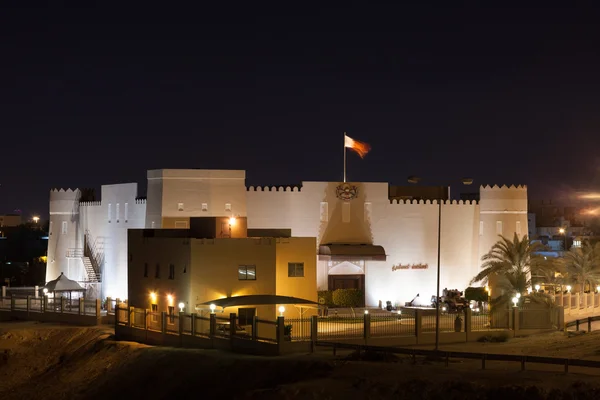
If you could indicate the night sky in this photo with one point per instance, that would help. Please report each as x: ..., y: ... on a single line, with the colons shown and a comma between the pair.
x: 99, y: 95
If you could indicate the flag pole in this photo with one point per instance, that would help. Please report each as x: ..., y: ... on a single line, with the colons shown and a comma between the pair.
x: 345, y: 151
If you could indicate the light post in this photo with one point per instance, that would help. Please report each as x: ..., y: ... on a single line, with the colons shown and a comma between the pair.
x: 563, y: 232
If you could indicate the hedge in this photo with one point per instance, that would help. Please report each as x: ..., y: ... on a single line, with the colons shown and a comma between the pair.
x: 348, y: 297
x: 327, y: 295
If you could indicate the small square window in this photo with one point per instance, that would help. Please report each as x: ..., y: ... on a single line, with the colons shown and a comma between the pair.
x: 227, y: 206
x: 180, y: 206
x: 296, y: 270
x: 204, y: 206
x: 247, y: 273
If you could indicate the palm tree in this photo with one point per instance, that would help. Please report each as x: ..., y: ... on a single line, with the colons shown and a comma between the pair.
x: 582, y: 264
x: 511, y: 262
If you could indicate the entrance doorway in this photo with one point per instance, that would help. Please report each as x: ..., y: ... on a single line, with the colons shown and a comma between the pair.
x: 347, y: 282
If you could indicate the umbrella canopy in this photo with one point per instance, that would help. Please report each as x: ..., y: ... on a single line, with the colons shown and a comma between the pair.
x: 63, y: 284
x: 257, y: 300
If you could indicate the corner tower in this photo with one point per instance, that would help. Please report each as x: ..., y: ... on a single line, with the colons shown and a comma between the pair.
x: 63, y: 235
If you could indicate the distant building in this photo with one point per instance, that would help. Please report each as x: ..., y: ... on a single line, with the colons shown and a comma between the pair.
x: 10, y: 220
x: 371, y: 236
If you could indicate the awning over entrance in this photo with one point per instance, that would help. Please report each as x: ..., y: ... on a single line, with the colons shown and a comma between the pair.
x: 258, y: 300
x: 351, y: 252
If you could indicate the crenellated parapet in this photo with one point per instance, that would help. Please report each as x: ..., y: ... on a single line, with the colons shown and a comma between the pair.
x: 294, y: 188
x: 90, y: 203
x: 64, y: 194
x: 502, y: 187
x: 431, y: 202
x: 140, y: 201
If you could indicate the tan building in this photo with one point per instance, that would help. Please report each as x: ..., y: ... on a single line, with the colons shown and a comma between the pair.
x: 169, y: 267
x: 10, y: 220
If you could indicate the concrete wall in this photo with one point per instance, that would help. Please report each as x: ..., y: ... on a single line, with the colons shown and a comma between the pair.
x: 63, y: 235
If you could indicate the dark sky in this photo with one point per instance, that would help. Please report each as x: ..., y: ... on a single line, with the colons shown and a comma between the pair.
x: 99, y: 95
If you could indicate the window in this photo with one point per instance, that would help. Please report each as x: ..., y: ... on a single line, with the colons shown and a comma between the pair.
x: 324, y: 211
x: 109, y: 212
x: 171, y: 312
x: 246, y: 315
x: 64, y: 228
x: 157, y: 271
x: 296, y: 270
x: 499, y: 227
x: 180, y: 206
x: 145, y: 270
x: 247, y: 273
x: 171, y: 271
x: 154, y: 310
x: 346, y: 212
x: 519, y: 228
x: 126, y: 211
x: 117, y: 212
x: 480, y: 228
x: 368, y: 208
x: 204, y: 206
x: 227, y: 206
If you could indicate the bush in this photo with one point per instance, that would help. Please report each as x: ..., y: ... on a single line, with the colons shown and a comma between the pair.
x: 327, y: 295
x: 499, y: 338
x: 348, y: 297
x: 476, y: 294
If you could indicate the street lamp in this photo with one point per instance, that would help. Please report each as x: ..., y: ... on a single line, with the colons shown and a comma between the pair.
x: 35, y: 219
x: 563, y: 232
x: 181, y: 307
x: 212, y: 308
x: 537, y: 288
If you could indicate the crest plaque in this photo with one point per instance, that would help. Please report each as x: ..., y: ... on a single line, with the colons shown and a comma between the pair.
x: 346, y: 192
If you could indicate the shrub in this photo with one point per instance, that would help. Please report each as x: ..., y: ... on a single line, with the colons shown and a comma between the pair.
x: 476, y: 294
x: 347, y: 297
x: 327, y: 295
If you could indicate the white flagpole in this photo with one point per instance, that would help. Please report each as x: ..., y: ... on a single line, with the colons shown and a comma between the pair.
x: 345, y: 157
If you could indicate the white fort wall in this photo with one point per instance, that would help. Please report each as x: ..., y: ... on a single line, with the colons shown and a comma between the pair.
x: 408, y: 231
x: 107, y: 228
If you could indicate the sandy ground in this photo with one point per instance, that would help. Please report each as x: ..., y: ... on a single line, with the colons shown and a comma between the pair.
x: 42, y: 361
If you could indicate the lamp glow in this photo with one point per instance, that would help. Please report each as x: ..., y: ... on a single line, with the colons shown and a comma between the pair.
x: 181, y: 306
x: 598, y: 288
x: 36, y: 219
x: 515, y: 300
x: 45, y: 290
x: 518, y: 296
x: 153, y: 296
x: 568, y: 288
x: 281, y: 310
x: 232, y: 221
x: 537, y: 288
x: 212, y: 308
x: 529, y: 290
x: 170, y: 298
x: 366, y: 311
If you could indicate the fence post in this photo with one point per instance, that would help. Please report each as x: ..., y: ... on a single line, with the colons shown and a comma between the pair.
x: 129, y: 315
x: 232, y: 325
x: 468, y: 316
x: 181, y: 317
x: 314, y: 333
x: 366, y: 327
x: 3, y: 292
x: 109, y: 305
x: 36, y: 290
x: 82, y: 306
x: 12, y: 302
x: 255, y: 327
x: 63, y: 301
x: 193, y: 324
x: 280, y: 334
x: 213, y: 324
x: 28, y: 304
x: 589, y: 324
x: 516, y: 322
x: 98, y: 308
x: 163, y: 322
x: 577, y: 325
x: 116, y: 316
x: 418, y: 324
x: 45, y: 303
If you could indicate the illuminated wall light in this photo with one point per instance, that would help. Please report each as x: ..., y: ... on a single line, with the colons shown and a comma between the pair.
x: 153, y: 296
x: 232, y: 221
x: 212, y: 308
x: 170, y: 298
x: 366, y: 311
x: 281, y: 310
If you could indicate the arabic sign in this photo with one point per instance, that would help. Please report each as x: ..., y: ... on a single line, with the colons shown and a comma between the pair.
x: 409, y: 266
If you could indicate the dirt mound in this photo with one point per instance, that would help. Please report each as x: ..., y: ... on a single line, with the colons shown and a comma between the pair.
x: 40, y: 361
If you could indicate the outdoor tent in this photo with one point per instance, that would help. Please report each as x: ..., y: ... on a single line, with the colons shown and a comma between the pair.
x: 62, y: 284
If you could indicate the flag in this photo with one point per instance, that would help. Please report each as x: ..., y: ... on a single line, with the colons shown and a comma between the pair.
x: 359, y: 147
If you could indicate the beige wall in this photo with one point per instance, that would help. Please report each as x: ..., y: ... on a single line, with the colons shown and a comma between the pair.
x: 214, y: 272
x: 294, y: 250
x: 164, y: 252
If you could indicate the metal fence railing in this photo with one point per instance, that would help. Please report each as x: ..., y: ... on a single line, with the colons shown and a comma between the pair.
x: 340, y: 327
x: 392, y: 325
x: 300, y: 328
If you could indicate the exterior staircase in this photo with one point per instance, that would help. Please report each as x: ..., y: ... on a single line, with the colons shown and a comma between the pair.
x: 90, y: 271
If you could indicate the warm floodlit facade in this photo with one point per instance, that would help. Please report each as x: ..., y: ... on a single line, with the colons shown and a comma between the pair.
x: 366, y: 235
